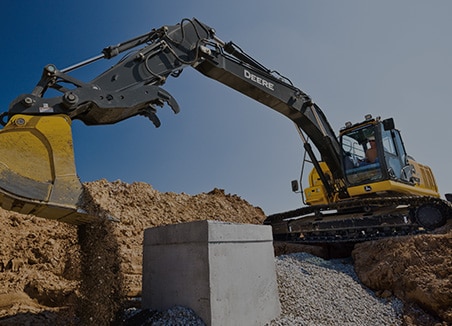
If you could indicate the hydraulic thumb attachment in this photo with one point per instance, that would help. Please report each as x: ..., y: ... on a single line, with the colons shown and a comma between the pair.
x: 37, y: 169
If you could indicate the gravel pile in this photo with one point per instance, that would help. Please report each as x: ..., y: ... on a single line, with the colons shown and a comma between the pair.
x: 176, y: 316
x: 314, y: 291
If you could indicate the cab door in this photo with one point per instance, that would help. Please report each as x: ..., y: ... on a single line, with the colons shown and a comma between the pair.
x: 394, y: 153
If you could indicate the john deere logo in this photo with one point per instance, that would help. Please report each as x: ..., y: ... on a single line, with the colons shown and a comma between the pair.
x: 367, y: 188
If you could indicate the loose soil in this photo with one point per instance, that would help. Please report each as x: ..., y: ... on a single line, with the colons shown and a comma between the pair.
x: 60, y: 274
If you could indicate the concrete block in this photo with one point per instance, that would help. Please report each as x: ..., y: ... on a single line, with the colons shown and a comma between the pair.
x: 225, y: 272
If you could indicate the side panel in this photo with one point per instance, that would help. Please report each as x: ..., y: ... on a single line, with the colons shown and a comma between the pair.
x: 424, y: 176
x: 391, y: 186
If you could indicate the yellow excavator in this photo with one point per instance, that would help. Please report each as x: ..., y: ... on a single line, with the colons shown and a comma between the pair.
x: 363, y: 186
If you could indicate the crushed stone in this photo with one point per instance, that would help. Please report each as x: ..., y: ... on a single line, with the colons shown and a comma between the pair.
x: 314, y: 291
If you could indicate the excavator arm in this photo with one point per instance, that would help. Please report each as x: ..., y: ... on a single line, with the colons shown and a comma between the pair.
x: 37, y: 170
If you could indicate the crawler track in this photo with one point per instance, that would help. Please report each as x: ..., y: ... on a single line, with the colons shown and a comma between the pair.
x: 359, y: 220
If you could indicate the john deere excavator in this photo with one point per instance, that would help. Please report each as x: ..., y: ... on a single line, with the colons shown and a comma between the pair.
x: 364, y: 185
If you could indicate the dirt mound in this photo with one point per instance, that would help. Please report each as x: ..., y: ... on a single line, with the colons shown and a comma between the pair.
x: 40, y: 266
x: 70, y: 275
x: 54, y: 273
x: 417, y: 269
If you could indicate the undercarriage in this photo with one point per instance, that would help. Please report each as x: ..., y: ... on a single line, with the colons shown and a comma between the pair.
x: 359, y: 220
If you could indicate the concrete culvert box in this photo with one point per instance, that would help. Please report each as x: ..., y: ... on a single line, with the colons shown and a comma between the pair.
x: 225, y: 272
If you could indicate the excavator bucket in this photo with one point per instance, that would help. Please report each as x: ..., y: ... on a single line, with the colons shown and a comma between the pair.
x: 37, y: 169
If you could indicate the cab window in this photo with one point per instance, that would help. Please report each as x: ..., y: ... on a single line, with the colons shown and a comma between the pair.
x: 359, y: 166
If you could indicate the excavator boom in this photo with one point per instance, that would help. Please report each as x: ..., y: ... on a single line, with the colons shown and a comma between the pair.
x: 37, y: 170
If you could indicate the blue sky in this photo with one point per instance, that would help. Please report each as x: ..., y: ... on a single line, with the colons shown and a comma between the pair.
x: 387, y: 58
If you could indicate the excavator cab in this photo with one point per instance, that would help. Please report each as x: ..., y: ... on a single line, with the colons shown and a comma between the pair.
x: 362, y: 159
x: 375, y: 160
x: 374, y: 151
